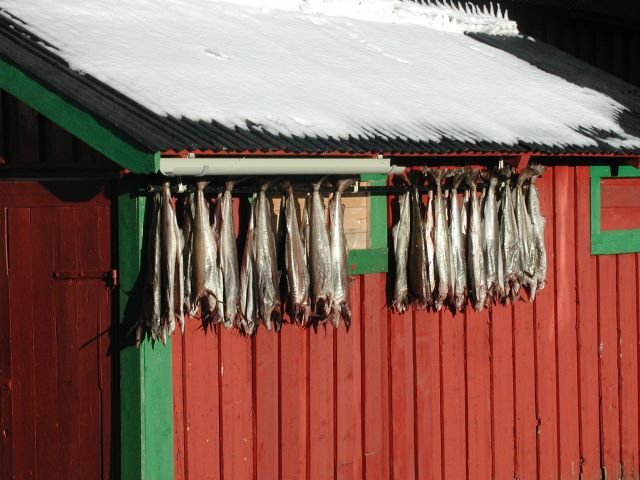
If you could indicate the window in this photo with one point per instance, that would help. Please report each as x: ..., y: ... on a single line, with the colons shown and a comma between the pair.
x: 374, y: 256
x: 615, y: 210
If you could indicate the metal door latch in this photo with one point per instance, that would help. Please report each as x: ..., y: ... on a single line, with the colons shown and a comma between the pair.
x: 110, y: 277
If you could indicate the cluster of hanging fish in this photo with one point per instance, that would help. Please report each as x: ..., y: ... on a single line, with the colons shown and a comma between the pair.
x: 193, y: 265
x: 483, y: 245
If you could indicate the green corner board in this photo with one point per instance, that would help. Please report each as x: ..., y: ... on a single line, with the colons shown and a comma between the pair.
x: 610, y: 241
x: 146, y: 385
x: 76, y: 121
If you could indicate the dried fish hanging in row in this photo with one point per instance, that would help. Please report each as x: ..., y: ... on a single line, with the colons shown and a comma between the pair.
x: 163, y: 288
x: 486, y: 247
x: 196, y: 268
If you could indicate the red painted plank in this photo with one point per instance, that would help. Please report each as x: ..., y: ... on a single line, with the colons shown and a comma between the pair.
x: 202, y: 407
x: 402, y: 391
x: 6, y: 408
x: 502, y: 392
x: 293, y: 399
x: 546, y: 348
x: 587, y: 316
x: 321, y: 464
x: 108, y: 334
x: 52, y: 194
x: 453, y: 391
x: 67, y: 336
x: 43, y: 228
x: 608, y: 348
x: 627, y: 300
x: 22, y: 343
x: 373, y: 324
x: 620, y: 218
x: 179, y: 430
x: 237, y: 405
x: 348, y: 393
x: 427, y: 396
x: 267, y: 406
x: 478, y: 375
x: 87, y: 351
x: 565, y: 264
x: 524, y: 374
x: 620, y: 192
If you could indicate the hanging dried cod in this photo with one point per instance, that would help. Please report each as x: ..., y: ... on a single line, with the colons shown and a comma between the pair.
x: 538, y: 222
x: 418, y: 267
x: 525, y: 232
x: 491, y: 237
x: 151, y: 311
x: 187, y: 251
x: 441, y: 242
x: 458, y: 225
x: 295, y: 262
x: 512, y: 263
x: 341, y: 308
x: 400, y: 234
x: 320, y: 267
x: 228, y: 259
x: 248, y: 282
x: 204, y: 256
x: 478, y: 276
x: 265, y: 261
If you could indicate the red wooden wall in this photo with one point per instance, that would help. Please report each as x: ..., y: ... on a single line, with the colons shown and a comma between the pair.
x: 544, y: 390
x: 58, y: 397
x: 620, y: 203
x: 56, y: 390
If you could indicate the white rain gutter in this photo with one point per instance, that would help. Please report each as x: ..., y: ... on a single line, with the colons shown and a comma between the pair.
x: 200, y: 166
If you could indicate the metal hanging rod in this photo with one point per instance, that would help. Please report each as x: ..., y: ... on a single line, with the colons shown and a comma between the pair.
x: 355, y: 190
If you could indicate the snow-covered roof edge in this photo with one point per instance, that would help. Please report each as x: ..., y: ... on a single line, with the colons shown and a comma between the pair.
x: 441, y: 15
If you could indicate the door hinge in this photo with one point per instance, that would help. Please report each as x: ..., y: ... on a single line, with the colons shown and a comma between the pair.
x: 109, y: 277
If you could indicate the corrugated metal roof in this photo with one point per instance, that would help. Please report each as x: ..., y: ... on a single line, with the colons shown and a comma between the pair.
x: 164, y: 133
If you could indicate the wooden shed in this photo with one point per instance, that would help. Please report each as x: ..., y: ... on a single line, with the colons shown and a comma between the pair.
x: 534, y: 390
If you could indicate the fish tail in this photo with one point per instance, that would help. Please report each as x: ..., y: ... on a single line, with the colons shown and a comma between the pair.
x: 345, y: 312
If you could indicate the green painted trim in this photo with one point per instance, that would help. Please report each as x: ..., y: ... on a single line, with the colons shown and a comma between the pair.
x: 76, y: 121
x: 370, y: 260
x: 146, y: 382
x: 375, y: 258
x: 610, y: 241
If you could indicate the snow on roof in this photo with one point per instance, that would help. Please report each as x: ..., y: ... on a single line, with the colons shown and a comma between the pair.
x: 323, y: 68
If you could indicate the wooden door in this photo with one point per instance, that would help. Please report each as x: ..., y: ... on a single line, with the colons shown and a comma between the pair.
x: 56, y: 361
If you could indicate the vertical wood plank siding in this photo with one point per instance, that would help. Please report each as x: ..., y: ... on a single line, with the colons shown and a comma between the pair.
x: 544, y: 390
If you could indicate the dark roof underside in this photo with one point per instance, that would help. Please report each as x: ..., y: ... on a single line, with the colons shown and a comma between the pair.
x: 152, y: 132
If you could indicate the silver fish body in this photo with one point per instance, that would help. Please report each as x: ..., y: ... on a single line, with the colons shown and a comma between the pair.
x: 400, y: 234
x: 296, y: 263
x: 248, y: 282
x: 418, y: 267
x: 187, y: 252
x: 491, y: 237
x: 538, y: 222
x: 430, y: 246
x: 442, y: 244
x: 512, y: 265
x: 152, y: 299
x: 339, y: 253
x: 203, y: 260
x: 476, y: 249
x: 228, y: 260
x: 525, y: 233
x: 458, y: 252
x: 178, y: 282
x: 320, y: 266
x: 501, y: 287
x: 170, y: 253
x: 265, y: 261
